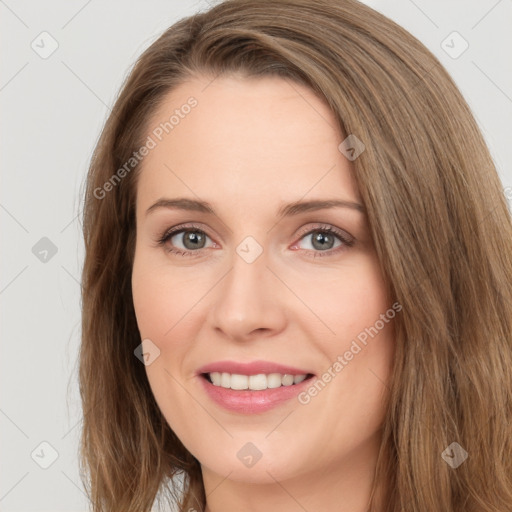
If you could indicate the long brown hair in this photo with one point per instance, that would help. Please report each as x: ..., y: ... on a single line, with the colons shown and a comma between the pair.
x: 438, y: 217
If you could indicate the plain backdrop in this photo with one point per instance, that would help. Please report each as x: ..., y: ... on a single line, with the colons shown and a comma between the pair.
x: 53, y: 107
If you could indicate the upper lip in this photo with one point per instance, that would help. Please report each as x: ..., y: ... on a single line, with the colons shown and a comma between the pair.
x: 251, y: 368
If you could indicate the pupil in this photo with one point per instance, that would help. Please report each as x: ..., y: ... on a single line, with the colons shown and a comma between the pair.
x: 193, y: 240
x: 323, y: 241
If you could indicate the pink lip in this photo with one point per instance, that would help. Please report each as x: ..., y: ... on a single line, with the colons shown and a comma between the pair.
x: 247, y: 401
x: 253, y: 368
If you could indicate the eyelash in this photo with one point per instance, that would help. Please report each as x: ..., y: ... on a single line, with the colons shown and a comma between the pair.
x: 347, y: 242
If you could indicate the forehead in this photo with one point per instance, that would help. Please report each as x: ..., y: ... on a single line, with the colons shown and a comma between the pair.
x: 244, y: 139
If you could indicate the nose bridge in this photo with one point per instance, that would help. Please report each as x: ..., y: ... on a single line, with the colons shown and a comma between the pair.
x: 246, y: 298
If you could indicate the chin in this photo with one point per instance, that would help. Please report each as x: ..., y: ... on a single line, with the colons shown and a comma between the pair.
x: 258, y: 461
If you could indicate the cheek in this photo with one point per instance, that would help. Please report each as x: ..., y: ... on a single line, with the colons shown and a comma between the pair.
x: 365, y: 332
x: 164, y: 308
x: 357, y: 309
x: 346, y: 300
x: 169, y: 312
x: 164, y: 298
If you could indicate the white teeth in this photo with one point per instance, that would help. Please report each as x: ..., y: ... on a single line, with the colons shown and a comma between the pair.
x: 287, y: 380
x: 225, y: 380
x: 274, y: 380
x: 298, y: 379
x: 239, y: 382
x: 215, y: 378
x: 254, y: 382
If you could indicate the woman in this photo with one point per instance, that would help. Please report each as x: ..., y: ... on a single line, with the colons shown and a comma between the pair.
x: 297, y: 284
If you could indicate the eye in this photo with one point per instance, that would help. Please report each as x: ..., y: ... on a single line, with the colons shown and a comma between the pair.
x: 185, y: 240
x: 320, y: 241
x: 324, y: 239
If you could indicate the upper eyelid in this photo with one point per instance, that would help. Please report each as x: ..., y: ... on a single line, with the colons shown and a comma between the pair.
x: 176, y: 230
x: 326, y: 227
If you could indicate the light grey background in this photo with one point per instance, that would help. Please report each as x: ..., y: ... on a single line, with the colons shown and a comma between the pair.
x: 52, y: 111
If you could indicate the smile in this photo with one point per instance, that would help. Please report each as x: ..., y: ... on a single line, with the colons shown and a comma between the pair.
x: 251, y: 388
x: 253, y: 382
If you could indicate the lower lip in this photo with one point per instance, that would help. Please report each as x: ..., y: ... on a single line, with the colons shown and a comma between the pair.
x: 252, y: 402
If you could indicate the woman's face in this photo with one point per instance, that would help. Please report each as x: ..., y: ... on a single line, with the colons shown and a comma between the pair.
x: 269, y: 275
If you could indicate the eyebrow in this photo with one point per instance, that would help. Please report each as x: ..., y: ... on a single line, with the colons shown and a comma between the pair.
x: 295, y: 208
x: 298, y: 207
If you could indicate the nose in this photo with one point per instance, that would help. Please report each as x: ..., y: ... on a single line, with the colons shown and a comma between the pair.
x: 249, y: 302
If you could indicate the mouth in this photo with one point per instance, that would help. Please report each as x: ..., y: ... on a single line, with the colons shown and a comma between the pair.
x: 251, y: 388
x: 258, y: 382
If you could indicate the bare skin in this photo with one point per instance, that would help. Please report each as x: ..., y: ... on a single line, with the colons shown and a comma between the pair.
x: 249, y: 147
